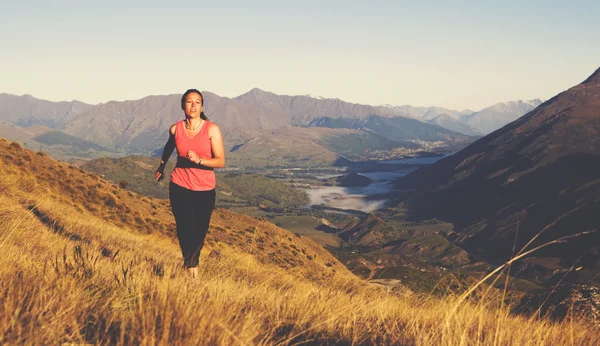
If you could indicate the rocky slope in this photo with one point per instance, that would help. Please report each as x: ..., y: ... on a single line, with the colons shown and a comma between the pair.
x: 541, y: 170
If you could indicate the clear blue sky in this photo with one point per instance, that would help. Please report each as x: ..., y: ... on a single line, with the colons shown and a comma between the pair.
x: 456, y: 54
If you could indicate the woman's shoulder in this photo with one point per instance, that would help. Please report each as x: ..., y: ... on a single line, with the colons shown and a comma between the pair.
x: 214, y: 131
x: 211, y: 124
x: 174, y: 127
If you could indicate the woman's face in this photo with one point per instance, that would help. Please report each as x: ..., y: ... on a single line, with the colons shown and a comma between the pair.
x: 193, y: 105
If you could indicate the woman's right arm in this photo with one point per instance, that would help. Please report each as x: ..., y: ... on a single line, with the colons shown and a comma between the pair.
x: 167, y: 151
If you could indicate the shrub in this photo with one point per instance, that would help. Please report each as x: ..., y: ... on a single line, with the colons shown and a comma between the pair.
x: 16, y: 146
x: 110, y: 200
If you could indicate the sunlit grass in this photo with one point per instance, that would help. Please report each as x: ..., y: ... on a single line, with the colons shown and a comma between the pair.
x: 71, y: 275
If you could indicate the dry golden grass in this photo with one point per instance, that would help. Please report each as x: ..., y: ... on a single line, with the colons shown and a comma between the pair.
x: 69, y: 274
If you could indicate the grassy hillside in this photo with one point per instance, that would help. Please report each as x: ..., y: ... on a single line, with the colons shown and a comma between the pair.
x: 79, y: 267
x: 57, y: 144
x: 401, y: 129
x: 263, y: 191
x: 137, y: 174
x: 38, y: 180
x: 60, y: 138
x: 287, y: 147
x: 357, y: 146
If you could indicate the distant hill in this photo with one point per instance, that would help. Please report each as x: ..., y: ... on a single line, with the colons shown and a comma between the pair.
x: 429, y: 113
x: 140, y: 126
x: 143, y: 124
x: 60, y: 138
x: 494, y: 117
x: 353, y: 179
x: 24, y: 135
x: 259, y: 190
x: 26, y: 110
x: 136, y: 173
x: 55, y: 143
x: 448, y: 122
x: 302, y: 110
x: 290, y: 145
x: 540, y: 170
x: 399, y: 129
x: 469, y: 122
x: 396, y: 242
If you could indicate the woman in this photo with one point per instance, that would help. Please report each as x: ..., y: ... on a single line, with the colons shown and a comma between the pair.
x: 199, y: 147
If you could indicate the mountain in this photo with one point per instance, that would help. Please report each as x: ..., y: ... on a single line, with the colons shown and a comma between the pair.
x: 26, y: 110
x: 36, y: 123
x: 494, y: 117
x: 289, y: 144
x: 127, y: 125
x: 469, y: 122
x: 448, y: 122
x: 140, y: 126
x: 540, y: 170
x: 302, y: 110
x: 407, y: 131
x: 429, y: 113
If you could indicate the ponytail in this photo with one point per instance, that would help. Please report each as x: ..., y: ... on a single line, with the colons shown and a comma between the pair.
x: 202, y: 116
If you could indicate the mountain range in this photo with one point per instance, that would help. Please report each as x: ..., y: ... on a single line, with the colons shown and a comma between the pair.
x: 26, y: 110
x: 140, y: 126
x: 469, y: 122
x: 496, y: 116
x: 535, y: 179
x: 428, y: 113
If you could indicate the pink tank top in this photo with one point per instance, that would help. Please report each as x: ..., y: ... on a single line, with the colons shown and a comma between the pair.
x: 186, y: 173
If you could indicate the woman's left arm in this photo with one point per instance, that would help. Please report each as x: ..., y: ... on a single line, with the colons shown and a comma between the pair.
x: 216, y: 142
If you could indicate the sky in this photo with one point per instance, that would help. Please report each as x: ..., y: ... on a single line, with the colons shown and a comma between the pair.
x: 453, y: 54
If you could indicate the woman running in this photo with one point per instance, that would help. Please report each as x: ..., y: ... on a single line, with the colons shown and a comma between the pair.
x: 199, y: 147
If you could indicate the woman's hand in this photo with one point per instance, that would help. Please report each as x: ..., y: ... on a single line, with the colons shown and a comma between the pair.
x: 192, y: 156
x: 158, y: 176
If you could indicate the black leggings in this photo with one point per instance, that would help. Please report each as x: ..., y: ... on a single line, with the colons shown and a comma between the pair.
x: 192, y: 211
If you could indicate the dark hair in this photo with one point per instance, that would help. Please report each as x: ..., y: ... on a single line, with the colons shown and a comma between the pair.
x: 184, y: 97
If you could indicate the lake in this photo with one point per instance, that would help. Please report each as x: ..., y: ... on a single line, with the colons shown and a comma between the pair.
x: 364, y: 198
